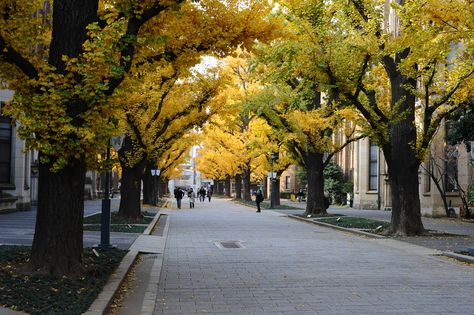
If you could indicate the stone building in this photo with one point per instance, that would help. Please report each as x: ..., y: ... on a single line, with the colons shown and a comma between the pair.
x: 18, y: 168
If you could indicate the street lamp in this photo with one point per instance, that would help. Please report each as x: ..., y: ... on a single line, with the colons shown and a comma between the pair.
x: 155, y: 173
x: 273, y: 157
x: 116, y: 142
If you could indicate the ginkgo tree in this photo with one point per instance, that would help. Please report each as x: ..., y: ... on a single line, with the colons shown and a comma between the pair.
x: 404, y: 65
x: 155, y: 122
x: 293, y: 104
x: 64, y: 59
x: 226, y: 152
x: 237, y: 129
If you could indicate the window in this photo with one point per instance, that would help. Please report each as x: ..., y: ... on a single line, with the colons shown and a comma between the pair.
x: 287, y: 182
x: 373, y: 166
x: 428, y: 172
x: 451, y: 169
x: 5, y: 150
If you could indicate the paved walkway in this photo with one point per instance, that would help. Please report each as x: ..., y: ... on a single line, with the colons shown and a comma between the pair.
x: 462, y: 232
x: 291, y: 267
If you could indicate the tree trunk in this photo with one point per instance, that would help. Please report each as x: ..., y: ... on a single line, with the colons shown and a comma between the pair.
x: 315, y: 195
x: 148, y: 185
x: 265, y: 187
x: 58, y: 241
x: 277, y: 201
x: 132, y: 173
x: 246, y: 183
x: 227, y: 187
x: 238, y: 186
x: 402, y: 161
x: 275, y: 191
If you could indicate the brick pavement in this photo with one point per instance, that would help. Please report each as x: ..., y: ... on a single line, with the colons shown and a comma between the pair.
x: 291, y: 267
x: 449, y: 243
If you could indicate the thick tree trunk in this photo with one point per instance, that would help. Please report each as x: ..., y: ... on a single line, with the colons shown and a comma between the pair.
x: 246, y: 183
x: 315, y: 197
x: 58, y: 241
x: 131, y: 182
x: 277, y: 201
x: 275, y: 191
x: 148, y: 185
x: 227, y: 187
x: 404, y: 185
x: 265, y: 188
x: 402, y: 161
x: 238, y: 186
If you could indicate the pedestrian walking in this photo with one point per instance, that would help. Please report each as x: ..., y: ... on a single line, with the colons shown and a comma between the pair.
x: 192, y: 197
x: 178, y: 194
x: 202, y: 194
x: 327, y: 201
x: 300, y: 195
x: 258, y: 199
x: 209, y: 194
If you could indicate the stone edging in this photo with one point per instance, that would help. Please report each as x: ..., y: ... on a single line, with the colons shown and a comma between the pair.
x: 102, y: 303
x: 354, y: 231
x: 463, y: 258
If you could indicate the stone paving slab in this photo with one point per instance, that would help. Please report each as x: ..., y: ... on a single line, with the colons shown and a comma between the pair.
x: 149, y: 244
x: 290, y: 267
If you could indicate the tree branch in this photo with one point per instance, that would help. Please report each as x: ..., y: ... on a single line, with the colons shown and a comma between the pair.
x: 129, y: 39
x: 11, y: 56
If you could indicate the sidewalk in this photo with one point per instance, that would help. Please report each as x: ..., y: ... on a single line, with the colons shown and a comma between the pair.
x: 223, y: 258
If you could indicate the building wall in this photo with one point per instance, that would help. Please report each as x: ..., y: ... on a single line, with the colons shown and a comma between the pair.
x: 431, y: 201
x: 289, y: 176
x: 18, y: 191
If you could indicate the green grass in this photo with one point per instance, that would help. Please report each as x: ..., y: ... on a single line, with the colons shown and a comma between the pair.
x: 355, y: 223
x: 127, y: 228
x: 115, y: 219
x: 315, y: 216
x: 266, y: 205
x: 48, y: 295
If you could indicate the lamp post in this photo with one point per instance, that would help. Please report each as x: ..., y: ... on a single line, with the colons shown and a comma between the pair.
x: 155, y: 173
x: 116, y: 142
x: 272, y: 180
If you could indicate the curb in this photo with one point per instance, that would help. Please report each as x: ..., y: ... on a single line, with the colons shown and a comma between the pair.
x: 149, y: 300
x: 463, y: 258
x: 101, y: 304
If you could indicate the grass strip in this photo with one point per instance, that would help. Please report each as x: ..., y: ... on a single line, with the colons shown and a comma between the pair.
x: 125, y: 228
x: 266, y: 205
x: 355, y: 223
x: 37, y: 294
x: 146, y: 218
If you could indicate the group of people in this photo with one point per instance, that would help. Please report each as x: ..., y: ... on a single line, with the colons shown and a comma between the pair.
x: 202, y: 193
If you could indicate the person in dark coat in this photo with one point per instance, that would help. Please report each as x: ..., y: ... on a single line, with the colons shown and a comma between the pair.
x: 300, y: 195
x: 258, y: 199
x: 209, y: 193
x: 202, y: 194
x: 327, y: 201
x: 178, y: 194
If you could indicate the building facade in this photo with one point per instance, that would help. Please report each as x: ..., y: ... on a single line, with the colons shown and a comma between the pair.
x: 18, y: 168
